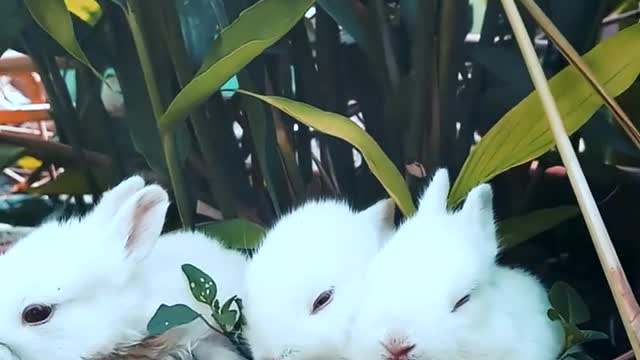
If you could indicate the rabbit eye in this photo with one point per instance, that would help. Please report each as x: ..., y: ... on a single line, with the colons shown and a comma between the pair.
x: 37, y: 314
x: 322, y: 300
x: 461, y: 302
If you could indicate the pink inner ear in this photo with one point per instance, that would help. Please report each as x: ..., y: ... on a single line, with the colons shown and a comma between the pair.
x: 143, y: 207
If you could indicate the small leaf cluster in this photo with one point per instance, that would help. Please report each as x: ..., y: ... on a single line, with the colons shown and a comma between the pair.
x: 228, y: 318
x: 570, y: 309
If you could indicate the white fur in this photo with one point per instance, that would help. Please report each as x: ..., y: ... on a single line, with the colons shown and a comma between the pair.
x: 322, y: 244
x: 434, y: 259
x: 106, y: 274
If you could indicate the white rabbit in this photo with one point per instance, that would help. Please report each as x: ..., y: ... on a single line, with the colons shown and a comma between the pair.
x: 435, y: 292
x: 304, y: 282
x: 86, y: 288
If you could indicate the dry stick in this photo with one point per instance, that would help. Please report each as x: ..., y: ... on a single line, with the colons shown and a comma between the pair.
x: 626, y: 356
x: 575, y: 59
x: 616, y: 278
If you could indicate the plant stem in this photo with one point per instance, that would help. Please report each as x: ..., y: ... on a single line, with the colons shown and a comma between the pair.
x: 55, y: 152
x: 336, y: 153
x: 176, y: 175
x: 424, y: 84
x: 450, y: 49
x: 64, y: 114
x: 626, y: 356
x: 616, y: 278
x: 575, y: 59
x: 305, y: 77
x: 204, y: 128
x: 384, y: 41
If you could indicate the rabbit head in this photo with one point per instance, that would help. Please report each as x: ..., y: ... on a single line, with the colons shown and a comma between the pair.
x: 64, y: 294
x: 303, y: 284
x: 421, y: 288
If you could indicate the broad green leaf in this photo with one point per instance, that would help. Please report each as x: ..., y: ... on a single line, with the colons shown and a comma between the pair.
x: 523, y: 133
x: 54, y: 18
x: 568, y: 303
x: 341, y: 127
x: 88, y: 11
x: 235, y: 233
x: 9, y: 154
x: 518, y: 229
x: 168, y: 317
x: 257, y: 28
x: 202, y: 286
x: 73, y: 181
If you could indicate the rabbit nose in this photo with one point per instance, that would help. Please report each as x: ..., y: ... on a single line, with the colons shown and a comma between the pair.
x: 398, y: 350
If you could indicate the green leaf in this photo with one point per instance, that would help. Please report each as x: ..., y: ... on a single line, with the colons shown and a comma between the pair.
x: 241, y: 320
x: 235, y: 233
x: 257, y: 28
x: 591, y: 335
x: 568, y: 303
x: 88, y: 11
x: 227, y: 304
x: 202, y: 286
x: 519, y: 229
x: 225, y: 320
x: 573, y: 336
x: 341, y: 127
x: 571, y: 331
x: 54, y: 18
x: 523, y: 133
x: 167, y: 317
x: 230, y: 319
x: 225, y: 316
x: 73, y: 181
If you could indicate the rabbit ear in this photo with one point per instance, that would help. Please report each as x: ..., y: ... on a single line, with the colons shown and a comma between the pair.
x: 479, y: 198
x: 434, y: 197
x: 478, y: 212
x: 381, y: 212
x: 113, y: 199
x: 479, y: 204
x: 139, y: 221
